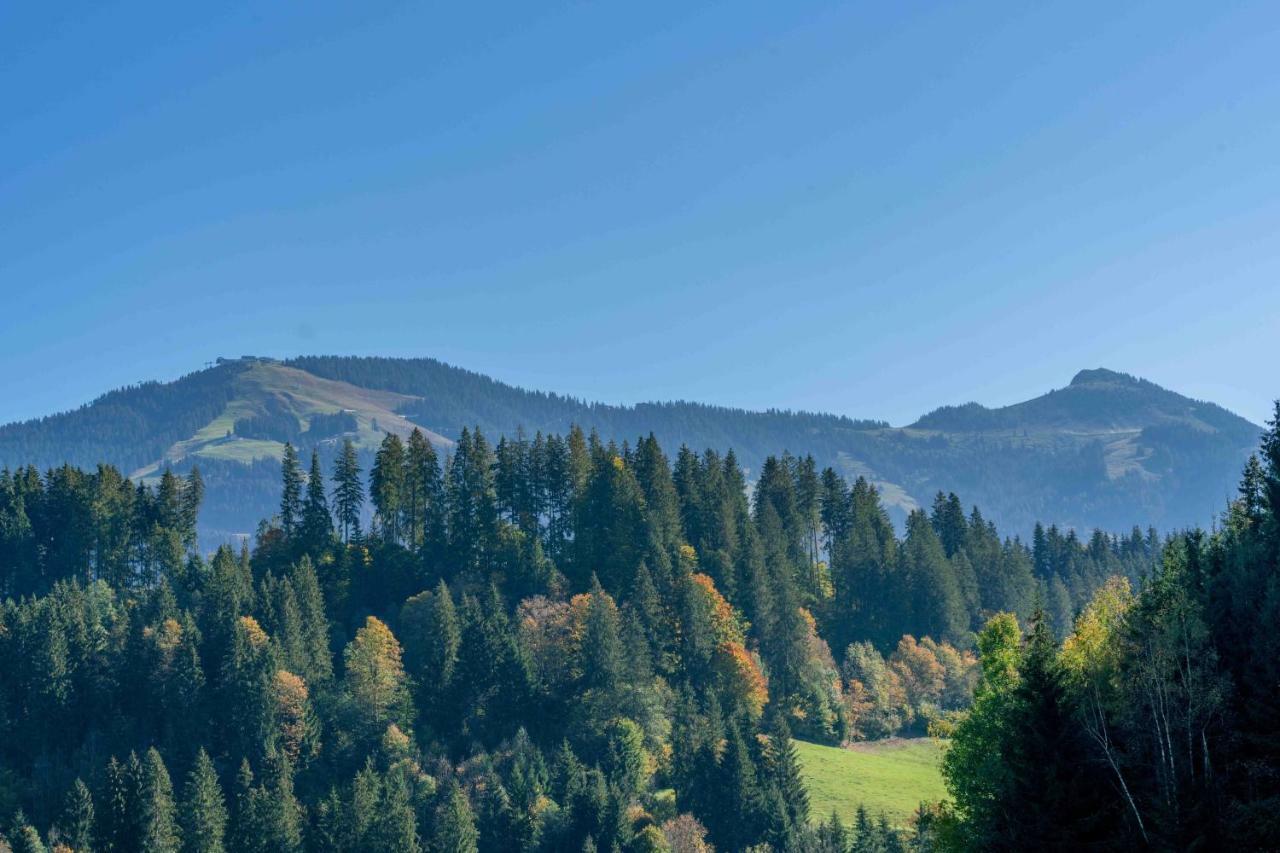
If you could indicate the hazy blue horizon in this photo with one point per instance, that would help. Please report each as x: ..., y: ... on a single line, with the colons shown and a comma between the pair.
x: 868, y: 211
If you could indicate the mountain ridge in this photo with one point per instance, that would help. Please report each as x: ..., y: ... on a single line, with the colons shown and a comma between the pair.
x: 1107, y: 450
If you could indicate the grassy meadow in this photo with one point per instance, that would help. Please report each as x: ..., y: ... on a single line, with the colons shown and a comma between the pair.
x: 890, y: 776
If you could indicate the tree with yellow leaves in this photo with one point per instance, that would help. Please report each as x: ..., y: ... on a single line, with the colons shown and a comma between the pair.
x: 375, y: 679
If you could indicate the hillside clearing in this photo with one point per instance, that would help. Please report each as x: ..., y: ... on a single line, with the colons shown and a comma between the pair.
x: 891, y: 776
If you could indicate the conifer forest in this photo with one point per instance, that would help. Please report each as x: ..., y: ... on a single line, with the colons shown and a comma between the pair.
x: 556, y: 643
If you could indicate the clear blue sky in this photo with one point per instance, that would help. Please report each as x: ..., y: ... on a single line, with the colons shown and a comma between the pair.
x: 869, y: 208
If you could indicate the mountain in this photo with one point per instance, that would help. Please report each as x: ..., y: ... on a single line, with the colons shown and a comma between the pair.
x: 1109, y: 450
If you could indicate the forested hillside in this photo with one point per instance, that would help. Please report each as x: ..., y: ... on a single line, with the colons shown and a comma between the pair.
x: 554, y: 643
x: 1106, y: 451
x: 1155, y: 724
x: 562, y: 643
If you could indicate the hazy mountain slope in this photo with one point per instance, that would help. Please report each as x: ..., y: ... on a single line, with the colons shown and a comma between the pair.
x: 131, y: 426
x: 1108, y: 450
x: 1098, y: 400
x: 272, y: 403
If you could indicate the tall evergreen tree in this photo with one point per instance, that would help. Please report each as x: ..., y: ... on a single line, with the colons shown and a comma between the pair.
x: 348, y: 492
x: 204, y: 811
x: 290, y: 492
x: 387, y: 487
x: 1050, y: 802
x: 472, y: 502
x: 455, y: 823
x: 783, y: 763
x: 76, y: 825
x: 424, y: 502
x: 317, y: 525
x: 157, y: 813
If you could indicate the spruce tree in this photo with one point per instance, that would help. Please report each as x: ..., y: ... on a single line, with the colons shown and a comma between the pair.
x: 784, y: 769
x: 23, y: 837
x: 432, y: 635
x: 603, y: 656
x: 278, y: 813
x: 115, y: 825
x: 1050, y: 800
x: 76, y: 825
x: 611, y: 533
x: 157, y: 812
x: 865, y: 837
x: 424, y: 503
x: 290, y: 492
x: 398, y: 823
x: 455, y: 824
x: 832, y: 836
x: 387, y: 487
x: 735, y: 822
x: 348, y: 492
x: 204, y: 811
x: 317, y: 525
x: 318, y: 667
x: 937, y: 606
x: 472, y: 501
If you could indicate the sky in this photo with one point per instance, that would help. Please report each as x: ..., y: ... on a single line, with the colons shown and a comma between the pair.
x: 865, y: 208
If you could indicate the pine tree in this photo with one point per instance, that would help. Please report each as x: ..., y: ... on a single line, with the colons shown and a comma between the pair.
x: 348, y: 492
x: 290, y: 492
x: 204, y: 811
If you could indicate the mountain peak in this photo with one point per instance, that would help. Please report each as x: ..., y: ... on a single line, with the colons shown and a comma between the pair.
x: 1100, y: 376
